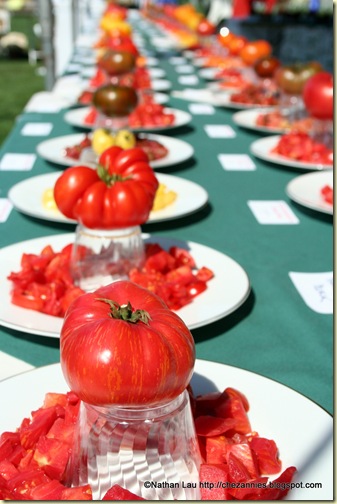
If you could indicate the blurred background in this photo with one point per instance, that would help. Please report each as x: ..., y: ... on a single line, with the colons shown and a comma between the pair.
x: 37, y: 36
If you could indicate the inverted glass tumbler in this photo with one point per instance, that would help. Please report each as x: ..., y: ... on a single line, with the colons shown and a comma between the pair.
x: 151, y: 451
x: 103, y: 256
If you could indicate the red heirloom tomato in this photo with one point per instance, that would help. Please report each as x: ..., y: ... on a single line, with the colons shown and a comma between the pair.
x: 236, y: 45
x: 318, y: 95
x: 122, y: 345
x: 119, y: 193
x: 205, y: 27
x: 225, y: 37
x: 291, y: 78
x: 266, y: 67
x: 254, y: 51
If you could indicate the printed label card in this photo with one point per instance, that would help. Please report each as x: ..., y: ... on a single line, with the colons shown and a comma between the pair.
x: 184, y: 69
x: 188, y: 80
x: 201, y: 109
x: 36, y: 129
x: 236, y: 162
x: 177, y: 60
x: 316, y: 290
x: 273, y: 212
x: 219, y: 131
x: 17, y: 162
x: 5, y: 209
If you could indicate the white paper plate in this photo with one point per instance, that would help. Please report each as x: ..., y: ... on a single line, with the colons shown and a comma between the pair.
x: 306, y: 190
x: 228, y: 289
x: 301, y: 429
x: 247, y: 119
x: 26, y: 197
x: 54, y: 148
x: 262, y: 149
x: 220, y: 98
x: 76, y: 117
x: 154, y: 73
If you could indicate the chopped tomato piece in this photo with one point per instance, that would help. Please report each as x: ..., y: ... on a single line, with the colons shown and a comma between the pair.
x: 40, y: 424
x: 52, y: 490
x: 212, y: 426
x: 83, y: 492
x: 211, y: 477
x: 116, y: 492
x: 52, y: 456
x: 267, y: 455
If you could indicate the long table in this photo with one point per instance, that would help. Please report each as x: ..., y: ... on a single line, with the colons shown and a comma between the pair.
x: 274, y: 333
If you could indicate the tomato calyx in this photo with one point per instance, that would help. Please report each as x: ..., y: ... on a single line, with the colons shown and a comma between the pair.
x: 110, y: 178
x: 126, y: 312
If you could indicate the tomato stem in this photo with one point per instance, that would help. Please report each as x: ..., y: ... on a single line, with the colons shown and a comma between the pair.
x: 109, y: 178
x: 126, y: 312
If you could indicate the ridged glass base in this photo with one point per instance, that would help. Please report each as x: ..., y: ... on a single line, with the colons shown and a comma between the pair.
x: 152, y: 452
x: 104, y: 256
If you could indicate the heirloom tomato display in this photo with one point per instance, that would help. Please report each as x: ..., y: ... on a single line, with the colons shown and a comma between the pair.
x: 45, y: 284
x: 122, y: 345
x: 34, y: 458
x: 118, y: 193
x: 300, y: 146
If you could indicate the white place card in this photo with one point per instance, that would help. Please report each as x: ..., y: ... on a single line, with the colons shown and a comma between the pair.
x: 219, y: 131
x: 37, y: 129
x: 201, y: 108
x: 17, y: 162
x: 5, y: 209
x: 237, y: 162
x: 184, y: 69
x: 177, y: 60
x: 188, y: 80
x: 273, y: 212
x: 316, y: 290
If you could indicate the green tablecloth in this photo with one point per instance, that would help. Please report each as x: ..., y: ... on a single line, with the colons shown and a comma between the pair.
x: 274, y: 333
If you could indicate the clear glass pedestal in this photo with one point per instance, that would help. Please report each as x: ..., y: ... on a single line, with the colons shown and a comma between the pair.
x: 101, y: 257
x: 153, y: 452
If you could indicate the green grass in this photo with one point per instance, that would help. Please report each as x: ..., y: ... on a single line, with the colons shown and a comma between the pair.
x: 19, y: 80
x: 18, y: 83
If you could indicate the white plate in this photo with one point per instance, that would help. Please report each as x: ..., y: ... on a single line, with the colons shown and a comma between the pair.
x: 262, y: 149
x: 156, y: 84
x: 218, y: 98
x: 301, y: 429
x: 76, y: 117
x: 154, y: 73
x: 306, y: 190
x: 228, y: 289
x: 247, y: 119
x: 26, y: 196
x: 246, y: 106
x: 53, y: 149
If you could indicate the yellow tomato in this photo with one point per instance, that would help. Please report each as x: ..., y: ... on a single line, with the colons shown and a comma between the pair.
x: 115, y: 26
x: 48, y: 201
x: 101, y: 140
x: 164, y: 197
